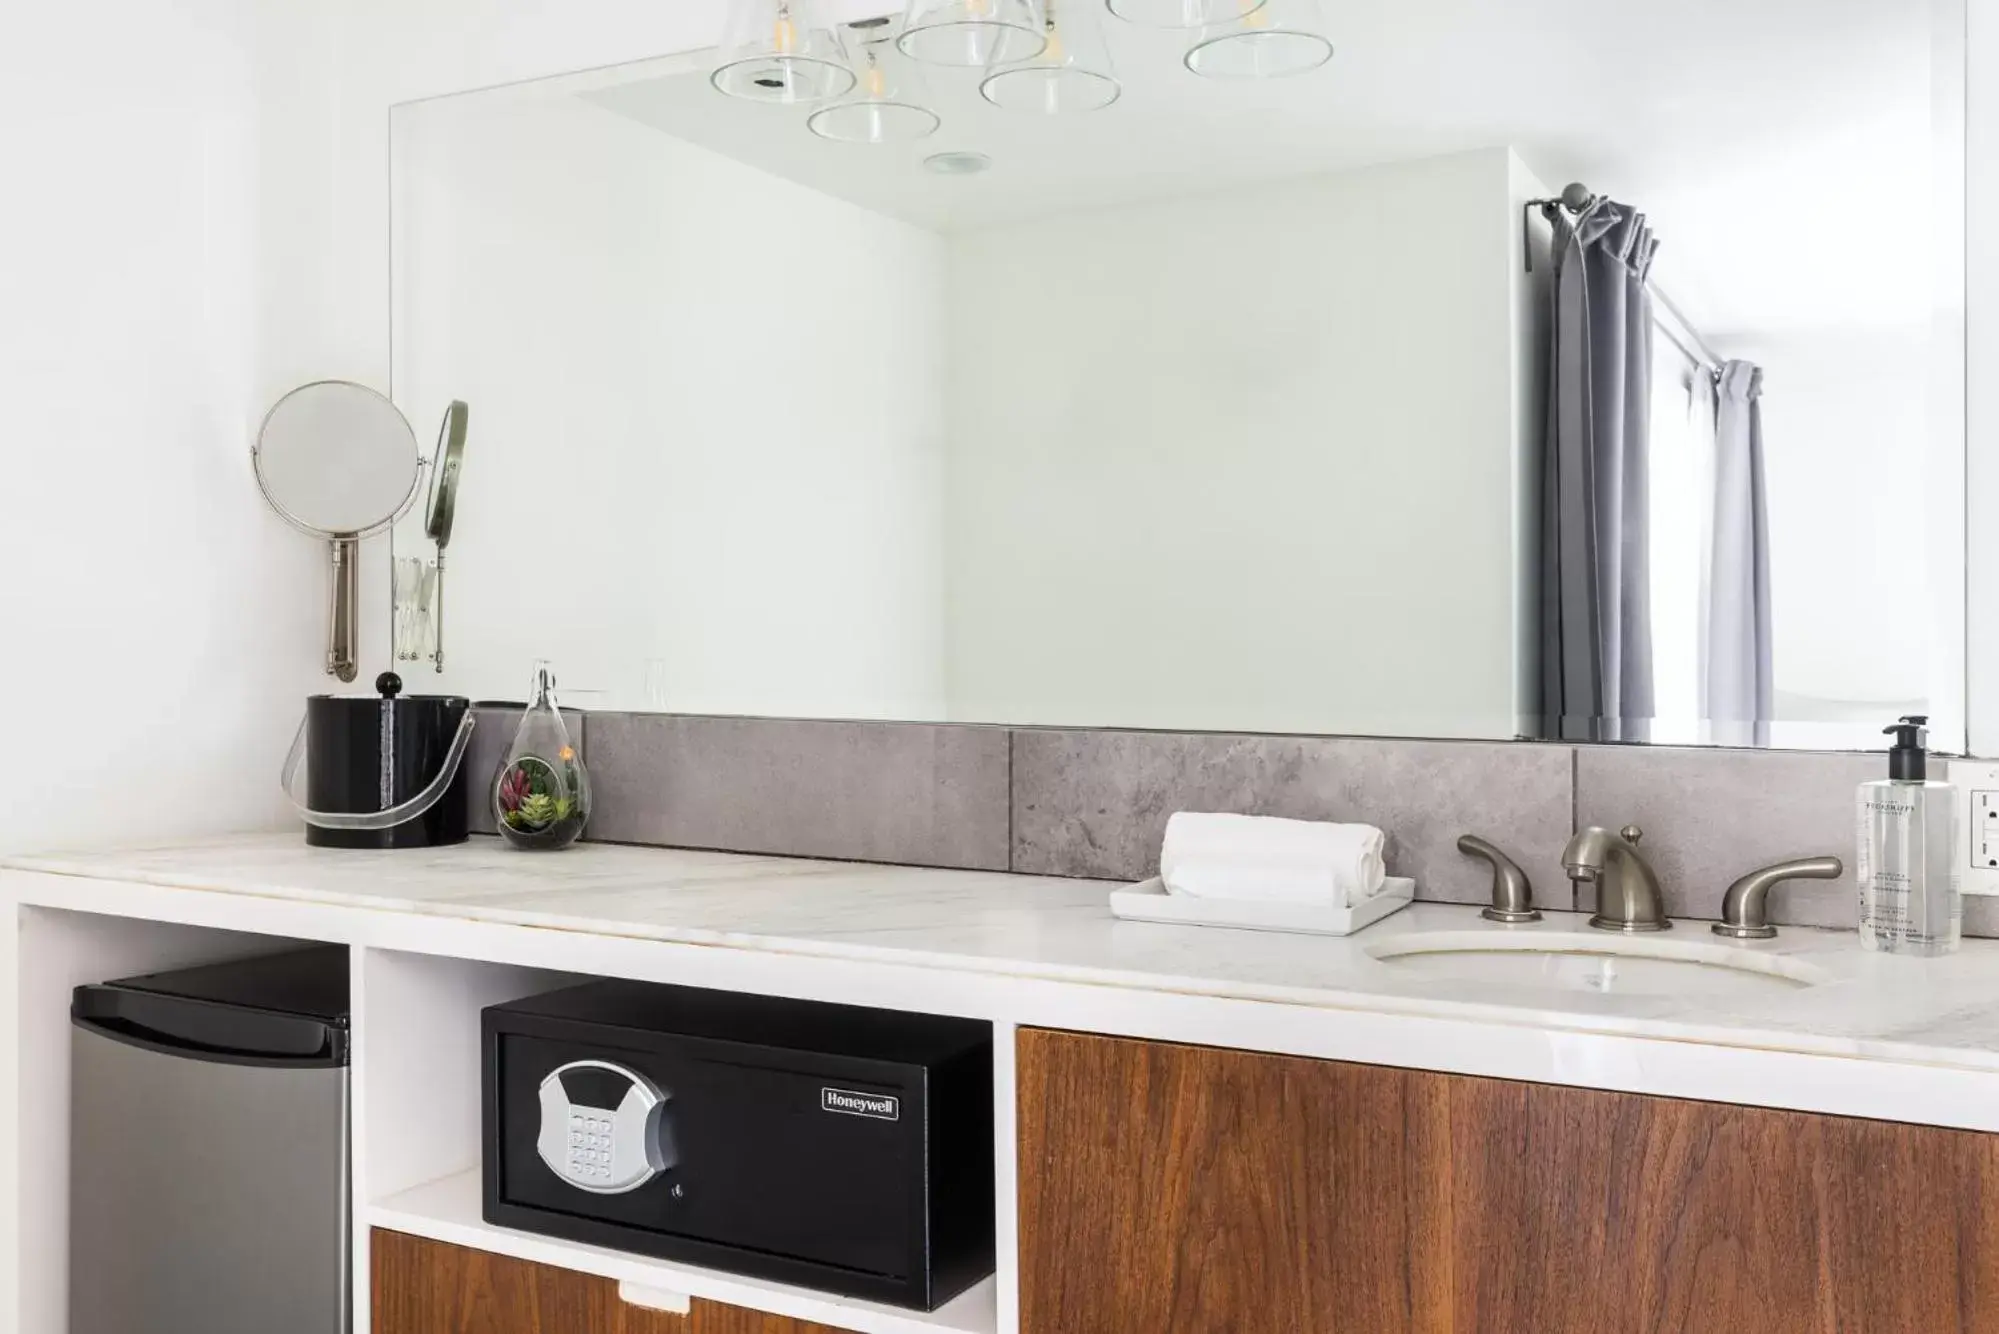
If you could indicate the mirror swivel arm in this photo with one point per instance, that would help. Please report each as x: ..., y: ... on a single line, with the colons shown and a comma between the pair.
x: 344, y: 614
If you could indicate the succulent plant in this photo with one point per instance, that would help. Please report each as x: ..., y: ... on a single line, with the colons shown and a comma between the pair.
x: 515, y: 786
x: 537, y: 809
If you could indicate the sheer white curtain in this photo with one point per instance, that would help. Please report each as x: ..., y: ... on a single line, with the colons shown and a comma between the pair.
x: 1737, y: 694
x: 1710, y: 561
x: 1682, y: 451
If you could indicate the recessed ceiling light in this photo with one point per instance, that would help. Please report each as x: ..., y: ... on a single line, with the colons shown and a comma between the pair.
x: 960, y: 163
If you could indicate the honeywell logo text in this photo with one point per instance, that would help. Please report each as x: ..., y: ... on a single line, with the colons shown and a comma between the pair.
x: 849, y: 1103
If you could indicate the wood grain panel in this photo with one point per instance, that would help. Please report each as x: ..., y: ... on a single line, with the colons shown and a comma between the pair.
x: 1657, y: 1214
x: 428, y: 1287
x: 1177, y: 1189
x: 710, y: 1318
x: 1181, y: 1190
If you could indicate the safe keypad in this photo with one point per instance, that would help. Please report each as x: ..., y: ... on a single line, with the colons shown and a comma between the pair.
x: 604, y: 1150
x: 589, y: 1146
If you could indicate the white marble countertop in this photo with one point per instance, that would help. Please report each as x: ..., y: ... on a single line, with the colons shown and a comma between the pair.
x: 1942, y: 1012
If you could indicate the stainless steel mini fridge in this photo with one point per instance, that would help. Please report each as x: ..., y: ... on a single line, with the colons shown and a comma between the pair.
x: 208, y: 1150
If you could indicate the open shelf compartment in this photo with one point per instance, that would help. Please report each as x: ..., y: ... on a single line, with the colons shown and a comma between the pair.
x: 449, y: 1211
x: 418, y: 1139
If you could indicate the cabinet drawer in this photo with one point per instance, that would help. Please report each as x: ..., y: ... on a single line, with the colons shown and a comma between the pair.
x: 428, y: 1287
x: 1184, y: 1190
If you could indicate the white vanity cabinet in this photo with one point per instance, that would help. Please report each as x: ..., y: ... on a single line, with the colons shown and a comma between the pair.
x: 1190, y: 1127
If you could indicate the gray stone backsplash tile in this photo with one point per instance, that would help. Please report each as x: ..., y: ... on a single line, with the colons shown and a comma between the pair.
x: 1095, y: 804
x: 1981, y: 915
x: 492, y: 737
x: 912, y: 793
x: 1709, y: 816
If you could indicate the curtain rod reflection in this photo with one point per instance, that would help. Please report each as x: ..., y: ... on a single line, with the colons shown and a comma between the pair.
x: 1576, y: 199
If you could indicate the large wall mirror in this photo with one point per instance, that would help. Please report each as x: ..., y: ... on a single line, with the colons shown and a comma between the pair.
x: 1417, y: 369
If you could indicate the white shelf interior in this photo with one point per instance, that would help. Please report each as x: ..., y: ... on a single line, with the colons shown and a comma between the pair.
x: 416, y: 1062
x: 418, y: 1136
x: 449, y: 1210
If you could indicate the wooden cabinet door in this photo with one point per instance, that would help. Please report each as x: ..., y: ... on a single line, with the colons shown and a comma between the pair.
x: 1182, y: 1190
x: 428, y: 1287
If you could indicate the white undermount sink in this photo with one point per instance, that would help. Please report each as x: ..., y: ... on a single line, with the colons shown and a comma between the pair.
x: 1661, y: 965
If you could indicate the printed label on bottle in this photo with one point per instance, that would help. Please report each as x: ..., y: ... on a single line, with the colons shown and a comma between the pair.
x: 1906, y: 868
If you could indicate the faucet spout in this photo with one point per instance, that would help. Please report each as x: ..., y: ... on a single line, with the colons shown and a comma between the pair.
x: 1587, y: 854
x: 1628, y: 894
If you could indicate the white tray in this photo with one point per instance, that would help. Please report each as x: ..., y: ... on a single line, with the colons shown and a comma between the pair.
x: 1149, y: 902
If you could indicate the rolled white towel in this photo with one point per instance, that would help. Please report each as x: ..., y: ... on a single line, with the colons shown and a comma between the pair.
x: 1263, y: 859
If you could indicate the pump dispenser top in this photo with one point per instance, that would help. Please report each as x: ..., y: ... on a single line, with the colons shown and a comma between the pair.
x: 1909, y: 761
x: 1910, y: 901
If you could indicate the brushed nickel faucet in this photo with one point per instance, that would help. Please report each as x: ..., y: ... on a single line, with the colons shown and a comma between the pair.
x: 1627, y: 896
x: 1744, y: 911
x: 1512, y: 895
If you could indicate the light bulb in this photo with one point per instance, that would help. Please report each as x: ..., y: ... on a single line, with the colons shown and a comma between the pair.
x: 1258, y: 18
x: 877, y: 82
x: 1053, y: 52
x: 979, y: 9
x: 781, y: 52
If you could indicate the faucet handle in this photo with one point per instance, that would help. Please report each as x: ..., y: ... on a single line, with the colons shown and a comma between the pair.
x: 1744, y: 911
x: 1512, y: 893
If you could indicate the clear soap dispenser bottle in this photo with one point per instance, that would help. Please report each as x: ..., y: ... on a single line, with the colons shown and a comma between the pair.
x: 1910, y: 901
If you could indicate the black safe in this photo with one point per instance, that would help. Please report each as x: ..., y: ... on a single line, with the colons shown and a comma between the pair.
x: 830, y: 1146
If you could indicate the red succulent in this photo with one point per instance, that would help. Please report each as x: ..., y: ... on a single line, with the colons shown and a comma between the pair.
x: 513, y: 788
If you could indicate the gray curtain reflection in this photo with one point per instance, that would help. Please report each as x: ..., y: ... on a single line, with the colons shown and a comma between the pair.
x: 1735, y: 671
x: 1595, y: 640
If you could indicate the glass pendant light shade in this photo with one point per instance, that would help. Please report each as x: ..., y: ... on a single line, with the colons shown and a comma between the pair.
x: 1072, y: 73
x: 781, y: 51
x: 1267, y: 40
x: 890, y: 103
x: 973, y: 34
x: 1181, y: 13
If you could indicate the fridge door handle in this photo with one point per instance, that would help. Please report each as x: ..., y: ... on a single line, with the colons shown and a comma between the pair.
x: 198, y: 1030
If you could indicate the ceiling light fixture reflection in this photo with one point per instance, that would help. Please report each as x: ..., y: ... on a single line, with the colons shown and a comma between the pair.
x: 1181, y: 13
x: 971, y: 34
x: 1072, y: 73
x: 1268, y: 39
x: 958, y: 162
x: 889, y: 105
x: 782, y: 52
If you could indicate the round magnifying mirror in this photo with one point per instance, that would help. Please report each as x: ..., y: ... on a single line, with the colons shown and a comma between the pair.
x: 339, y: 461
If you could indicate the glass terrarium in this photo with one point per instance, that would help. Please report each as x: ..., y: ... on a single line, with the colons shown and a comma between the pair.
x: 541, y: 798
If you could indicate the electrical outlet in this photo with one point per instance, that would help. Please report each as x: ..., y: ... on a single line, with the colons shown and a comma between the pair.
x: 1985, y: 830
x: 1977, y: 784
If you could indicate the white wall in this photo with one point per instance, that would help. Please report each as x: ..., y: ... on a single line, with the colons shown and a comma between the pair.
x: 361, y: 58
x: 376, y: 54
x: 703, y: 471
x: 1528, y: 233
x: 163, y: 626
x: 1147, y: 401
x: 1846, y: 425
x: 1981, y: 252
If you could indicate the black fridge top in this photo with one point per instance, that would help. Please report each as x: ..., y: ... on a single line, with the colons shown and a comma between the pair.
x: 288, y: 1009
